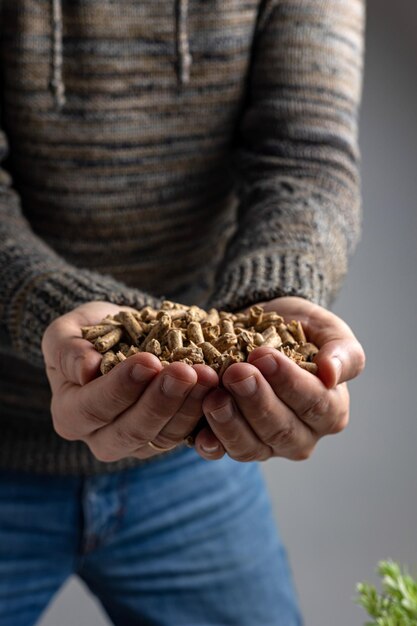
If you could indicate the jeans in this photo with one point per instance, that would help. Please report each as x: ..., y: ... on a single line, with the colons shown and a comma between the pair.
x: 179, y: 541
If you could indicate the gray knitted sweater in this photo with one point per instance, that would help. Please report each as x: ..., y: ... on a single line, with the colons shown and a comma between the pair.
x: 197, y: 150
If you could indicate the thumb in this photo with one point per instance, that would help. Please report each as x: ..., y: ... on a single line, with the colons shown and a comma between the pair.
x: 339, y: 360
x: 67, y: 355
x: 341, y: 357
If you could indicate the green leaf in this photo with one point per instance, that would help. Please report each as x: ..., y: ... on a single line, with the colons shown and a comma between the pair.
x: 397, y: 604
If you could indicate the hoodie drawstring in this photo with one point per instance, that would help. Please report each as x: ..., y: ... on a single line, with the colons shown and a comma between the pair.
x: 57, y: 81
x: 57, y: 84
x: 183, y: 49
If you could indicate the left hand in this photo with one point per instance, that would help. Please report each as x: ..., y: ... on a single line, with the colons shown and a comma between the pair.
x: 285, y: 410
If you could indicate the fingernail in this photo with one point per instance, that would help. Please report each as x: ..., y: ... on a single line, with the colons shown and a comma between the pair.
x: 245, y: 387
x: 175, y: 387
x: 210, y: 449
x: 140, y: 373
x: 337, y: 366
x: 223, y: 413
x: 198, y: 392
x: 266, y: 364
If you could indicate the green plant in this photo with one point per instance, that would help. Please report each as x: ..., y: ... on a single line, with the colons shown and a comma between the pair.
x: 397, y: 604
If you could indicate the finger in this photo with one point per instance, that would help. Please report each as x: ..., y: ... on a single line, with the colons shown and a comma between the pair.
x: 208, y: 445
x: 231, y: 428
x: 273, y: 421
x: 190, y: 412
x: 143, y: 421
x: 75, y: 360
x: 67, y: 355
x: 79, y: 411
x: 323, y: 410
x: 339, y: 360
x: 341, y: 356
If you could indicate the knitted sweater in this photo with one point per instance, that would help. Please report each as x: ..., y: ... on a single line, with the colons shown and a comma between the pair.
x: 203, y: 151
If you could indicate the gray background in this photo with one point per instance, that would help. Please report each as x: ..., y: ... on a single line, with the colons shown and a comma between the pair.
x: 355, y: 501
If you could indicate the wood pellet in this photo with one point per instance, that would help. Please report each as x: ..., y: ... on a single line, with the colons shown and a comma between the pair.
x: 178, y: 332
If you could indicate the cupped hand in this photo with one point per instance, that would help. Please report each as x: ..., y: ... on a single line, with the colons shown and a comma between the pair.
x: 269, y: 406
x: 138, y: 401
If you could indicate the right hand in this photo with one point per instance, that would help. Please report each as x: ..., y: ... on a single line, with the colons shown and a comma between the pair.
x: 138, y: 401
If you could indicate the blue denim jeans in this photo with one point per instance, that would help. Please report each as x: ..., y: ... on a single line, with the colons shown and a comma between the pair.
x: 177, y: 542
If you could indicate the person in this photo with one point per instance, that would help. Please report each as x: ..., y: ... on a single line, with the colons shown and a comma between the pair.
x: 202, y: 152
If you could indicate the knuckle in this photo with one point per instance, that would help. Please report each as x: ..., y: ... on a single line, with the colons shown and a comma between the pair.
x: 361, y: 359
x: 105, y: 455
x: 292, y: 386
x: 59, y: 424
x: 155, y: 407
x: 62, y: 430
x: 90, y: 417
x: 339, y: 424
x: 125, y: 439
x: 302, y: 454
x: 313, y: 412
x: 263, y: 413
x: 282, y: 437
x: 188, y: 414
x: 341, y: 412
x: 345, y: 396
x: 115, y: 395
x: 246, y: 456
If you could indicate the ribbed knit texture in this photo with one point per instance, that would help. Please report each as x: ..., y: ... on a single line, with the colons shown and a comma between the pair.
x: 200, y: 151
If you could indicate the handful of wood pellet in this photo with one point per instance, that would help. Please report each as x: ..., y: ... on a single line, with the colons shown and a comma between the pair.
x: 178, y: 332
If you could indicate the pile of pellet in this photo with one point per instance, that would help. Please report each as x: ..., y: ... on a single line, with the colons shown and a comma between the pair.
x: 178, y: 332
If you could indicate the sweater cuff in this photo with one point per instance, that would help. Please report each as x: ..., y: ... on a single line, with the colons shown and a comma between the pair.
x: 46, y: 296
x: 263, y: 277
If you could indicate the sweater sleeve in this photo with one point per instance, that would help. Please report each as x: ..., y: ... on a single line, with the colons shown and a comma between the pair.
x: 37, y: 285
x: 296, y: 156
